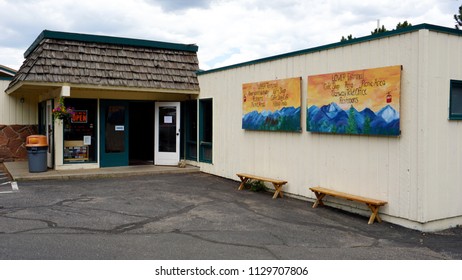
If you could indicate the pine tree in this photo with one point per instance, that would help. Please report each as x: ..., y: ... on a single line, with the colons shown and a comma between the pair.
x: 379, y: 30
x: 403, y: 25
x: 400, y: 26
x: 458, y: 18
x: 348, y: 38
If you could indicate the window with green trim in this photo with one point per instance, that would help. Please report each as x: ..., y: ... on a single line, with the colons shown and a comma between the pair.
x: 205, y: 130
x: 189, y: 128
x: 455, y: 100
x: 80, y: 132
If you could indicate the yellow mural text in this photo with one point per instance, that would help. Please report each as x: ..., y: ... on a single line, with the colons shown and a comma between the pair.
x: 271, y: 95
x: 369, y: 88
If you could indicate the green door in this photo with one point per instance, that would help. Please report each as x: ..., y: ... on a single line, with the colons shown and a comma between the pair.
x: 114, y: 133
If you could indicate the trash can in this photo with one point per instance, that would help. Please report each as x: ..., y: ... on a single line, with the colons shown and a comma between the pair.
x: 37, y: 146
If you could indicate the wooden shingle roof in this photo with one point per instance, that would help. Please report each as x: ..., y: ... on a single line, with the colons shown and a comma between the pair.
x: 79, y: 59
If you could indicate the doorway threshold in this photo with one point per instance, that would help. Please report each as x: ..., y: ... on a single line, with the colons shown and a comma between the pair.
x: 132, y: 162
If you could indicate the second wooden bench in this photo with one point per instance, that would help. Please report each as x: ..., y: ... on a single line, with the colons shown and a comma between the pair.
x: 373, y: 204
x: 278, y: 184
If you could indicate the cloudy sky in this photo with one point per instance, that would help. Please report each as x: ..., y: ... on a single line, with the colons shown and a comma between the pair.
x: 226, y: 31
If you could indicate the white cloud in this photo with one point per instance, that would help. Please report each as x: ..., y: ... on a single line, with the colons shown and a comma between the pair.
x: 180, y: 5
x: 226, y: 31
x: 11, y: 57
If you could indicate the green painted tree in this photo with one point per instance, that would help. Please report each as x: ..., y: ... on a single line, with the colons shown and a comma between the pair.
x: 367, y: 125
x: 334, y: 129
x: 352, y: 127
x: 325, y: 127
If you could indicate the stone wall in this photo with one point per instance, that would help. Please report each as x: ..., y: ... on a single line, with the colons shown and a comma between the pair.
x: 13, y: 140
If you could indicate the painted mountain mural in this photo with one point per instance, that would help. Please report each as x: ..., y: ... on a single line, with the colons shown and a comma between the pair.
x: 333, y: 119
x: 360, y: 102
x: 285, y: 119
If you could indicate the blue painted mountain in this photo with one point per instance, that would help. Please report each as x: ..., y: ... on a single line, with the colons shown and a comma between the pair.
x: 333, y: 119
x: 285, y: 119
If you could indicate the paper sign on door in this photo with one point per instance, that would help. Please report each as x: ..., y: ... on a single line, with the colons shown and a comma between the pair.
x: 168, y: 119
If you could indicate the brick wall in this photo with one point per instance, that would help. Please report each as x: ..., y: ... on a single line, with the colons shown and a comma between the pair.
x: 13, y: 140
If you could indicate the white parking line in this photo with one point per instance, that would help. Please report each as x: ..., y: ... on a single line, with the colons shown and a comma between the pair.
x: 14, y: 187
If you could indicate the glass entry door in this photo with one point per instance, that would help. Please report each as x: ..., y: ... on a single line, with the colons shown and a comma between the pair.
x: 167, y: 133
x: 114, y: 133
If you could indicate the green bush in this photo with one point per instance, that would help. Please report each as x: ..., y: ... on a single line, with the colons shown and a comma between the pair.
x: 255, y: 185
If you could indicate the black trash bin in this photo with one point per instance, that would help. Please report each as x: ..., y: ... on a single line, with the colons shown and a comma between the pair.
x: 37, y: 146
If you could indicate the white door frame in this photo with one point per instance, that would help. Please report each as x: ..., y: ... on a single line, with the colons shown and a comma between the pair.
x: 162, y: 157
x: 49, y: 131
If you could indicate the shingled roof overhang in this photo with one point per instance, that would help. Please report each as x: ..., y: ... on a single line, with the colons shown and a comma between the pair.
x: 87, y: 61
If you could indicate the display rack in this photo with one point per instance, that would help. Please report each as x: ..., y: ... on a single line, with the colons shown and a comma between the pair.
x: 75, y: 151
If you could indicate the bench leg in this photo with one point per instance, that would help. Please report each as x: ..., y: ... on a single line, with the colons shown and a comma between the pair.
x: 375, y: 214
x: 278, y: 191
x: 319, y: 197
x: 243, y: 181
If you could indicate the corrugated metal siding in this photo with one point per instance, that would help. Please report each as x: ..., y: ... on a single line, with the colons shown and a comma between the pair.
x: 442, y: 143
x: 418, y: 173
x: 12, y: 111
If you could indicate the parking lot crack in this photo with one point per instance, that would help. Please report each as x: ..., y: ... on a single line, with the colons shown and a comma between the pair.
x: 71, y: 200
x: 136, y: 225
x: 49, y: 224
x: 263, y: 248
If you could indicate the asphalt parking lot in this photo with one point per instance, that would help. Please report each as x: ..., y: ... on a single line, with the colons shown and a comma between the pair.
x: 194, y: 216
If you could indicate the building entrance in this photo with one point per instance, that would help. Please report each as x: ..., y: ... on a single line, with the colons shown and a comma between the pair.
x: 167, y: 133
x: 141, y: 134
x: 114, y: 133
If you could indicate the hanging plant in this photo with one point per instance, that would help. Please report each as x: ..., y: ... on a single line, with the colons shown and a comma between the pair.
x: 62, y: 112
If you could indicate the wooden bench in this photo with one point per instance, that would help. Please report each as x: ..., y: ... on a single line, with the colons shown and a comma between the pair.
x: 278, y: 184
x: 373, y: 204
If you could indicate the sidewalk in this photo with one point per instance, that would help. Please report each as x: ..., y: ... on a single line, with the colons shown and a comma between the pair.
x: 19, y: 171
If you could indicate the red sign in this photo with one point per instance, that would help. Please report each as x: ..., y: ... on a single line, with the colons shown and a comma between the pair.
x: 80, y: 116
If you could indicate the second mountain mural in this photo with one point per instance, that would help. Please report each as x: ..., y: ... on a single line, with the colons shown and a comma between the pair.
x: 364, y: 102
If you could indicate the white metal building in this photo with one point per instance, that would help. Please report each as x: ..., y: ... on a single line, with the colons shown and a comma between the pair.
x: 18, y: 119
x: 419, y: 172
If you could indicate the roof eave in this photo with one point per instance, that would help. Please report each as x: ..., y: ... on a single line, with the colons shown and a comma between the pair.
x: 48, y: 34
x: 7, y: 70
x: 17, y: 87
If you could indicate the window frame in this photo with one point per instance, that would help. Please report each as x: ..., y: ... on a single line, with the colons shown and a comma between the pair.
x: 453, y: 84
x: 189, y: 114
x: 203, y: 145
x: 94, y: 145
